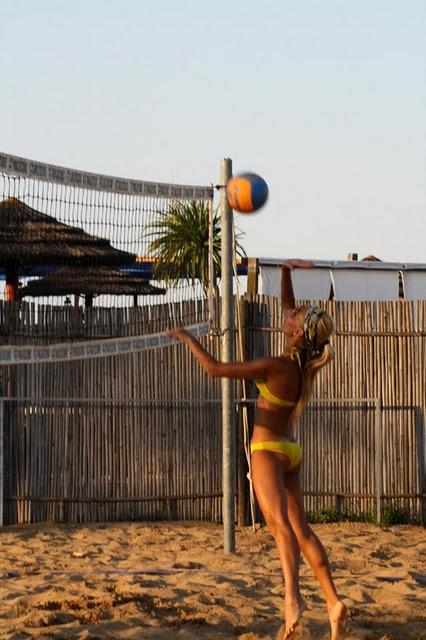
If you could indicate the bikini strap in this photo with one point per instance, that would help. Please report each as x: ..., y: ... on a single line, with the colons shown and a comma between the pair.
x: 294, y: 354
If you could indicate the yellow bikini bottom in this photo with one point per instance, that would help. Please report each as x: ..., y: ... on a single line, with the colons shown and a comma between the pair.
x: 292, y: 450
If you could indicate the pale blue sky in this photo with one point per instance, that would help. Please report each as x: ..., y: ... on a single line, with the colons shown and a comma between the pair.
x: 326, y: 99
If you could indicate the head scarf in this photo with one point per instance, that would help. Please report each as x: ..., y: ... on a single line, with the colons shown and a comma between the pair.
x: 310, y: 327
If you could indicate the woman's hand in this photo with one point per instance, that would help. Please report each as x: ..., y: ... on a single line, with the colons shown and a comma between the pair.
x: 204, y: 358
x: 297, y: 263
x: 178, y: 332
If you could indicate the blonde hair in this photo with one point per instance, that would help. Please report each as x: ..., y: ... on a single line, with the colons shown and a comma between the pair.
x: 315, y: 355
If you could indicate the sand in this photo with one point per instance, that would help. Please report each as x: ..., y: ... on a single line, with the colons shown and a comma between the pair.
x: 166, y: 580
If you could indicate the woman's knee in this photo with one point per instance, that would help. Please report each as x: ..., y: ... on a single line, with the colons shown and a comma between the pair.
x: 277, y: 523
x: 302, y: 531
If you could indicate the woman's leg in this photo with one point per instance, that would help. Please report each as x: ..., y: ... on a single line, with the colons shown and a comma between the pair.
x: 268, y: 471
x: 315, y: 554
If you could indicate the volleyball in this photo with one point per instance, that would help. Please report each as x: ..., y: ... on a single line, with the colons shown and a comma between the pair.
x: 247, y: 192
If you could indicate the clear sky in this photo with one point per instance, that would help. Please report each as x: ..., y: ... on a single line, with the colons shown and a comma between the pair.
x: 326, y: 99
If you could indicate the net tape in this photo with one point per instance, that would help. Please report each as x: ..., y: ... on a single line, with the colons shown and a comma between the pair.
x: 60, y: 352
x: 23, y: 167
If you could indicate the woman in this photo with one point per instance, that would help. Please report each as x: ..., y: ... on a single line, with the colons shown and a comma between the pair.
x: 285, y: 384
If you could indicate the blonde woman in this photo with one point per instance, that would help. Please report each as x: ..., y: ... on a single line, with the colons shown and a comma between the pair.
x: 285, y: 385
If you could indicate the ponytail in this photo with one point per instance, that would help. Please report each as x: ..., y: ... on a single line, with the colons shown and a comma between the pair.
x: 309, y: 372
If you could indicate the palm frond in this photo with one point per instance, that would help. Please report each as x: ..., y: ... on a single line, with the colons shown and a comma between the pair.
x: 179, y: 242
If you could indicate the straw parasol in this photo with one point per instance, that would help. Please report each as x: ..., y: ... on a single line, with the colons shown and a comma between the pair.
x: 90, y: 282
x: 29, y: 238
x: 370, y: 258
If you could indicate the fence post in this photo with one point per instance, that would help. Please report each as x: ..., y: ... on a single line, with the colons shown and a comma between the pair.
x: 378, y: 446
x: 339, y: 503
x: 421, y: 448
x: 252, y: 276
x: 1, y: 462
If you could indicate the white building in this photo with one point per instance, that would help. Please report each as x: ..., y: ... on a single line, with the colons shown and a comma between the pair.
x: 364, y: 280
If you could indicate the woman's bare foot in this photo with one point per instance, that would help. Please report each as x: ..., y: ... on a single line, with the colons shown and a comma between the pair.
x: 337, y: 615
x: 293, y: 612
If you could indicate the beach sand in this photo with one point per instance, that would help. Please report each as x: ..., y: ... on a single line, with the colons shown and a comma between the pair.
x: 172, y: 580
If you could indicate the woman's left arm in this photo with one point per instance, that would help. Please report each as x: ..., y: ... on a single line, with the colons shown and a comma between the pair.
x: 248, y: 370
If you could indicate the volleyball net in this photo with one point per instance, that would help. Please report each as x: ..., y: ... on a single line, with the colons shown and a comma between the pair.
x: 71, y: 237
x: 90, y: 380
x: 68, y: 351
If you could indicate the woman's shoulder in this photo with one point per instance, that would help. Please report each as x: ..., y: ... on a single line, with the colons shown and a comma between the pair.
x: 290, y: 362
x: 285, y: 363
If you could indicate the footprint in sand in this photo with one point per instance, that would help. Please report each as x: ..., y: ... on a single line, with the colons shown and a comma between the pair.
x: 188, y: 565
x: 359, y: 596
x: 384, y: 553
x: 301, y: 633
x: 356, y: 565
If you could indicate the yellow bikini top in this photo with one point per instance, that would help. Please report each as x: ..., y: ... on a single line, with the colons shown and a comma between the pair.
x: 271, y: 397
x: 268, y: 395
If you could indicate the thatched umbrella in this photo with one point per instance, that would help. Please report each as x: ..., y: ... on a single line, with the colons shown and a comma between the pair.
x: 370, y: 258
x: 90, y: 282
x: 30, y: 238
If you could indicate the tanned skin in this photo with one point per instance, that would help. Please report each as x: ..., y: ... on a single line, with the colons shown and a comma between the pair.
x: 277, y: 488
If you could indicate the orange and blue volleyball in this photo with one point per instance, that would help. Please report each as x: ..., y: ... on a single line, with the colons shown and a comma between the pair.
x: 247, y: 192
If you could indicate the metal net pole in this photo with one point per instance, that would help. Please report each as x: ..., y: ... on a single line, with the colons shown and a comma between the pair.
x: 227, y: 354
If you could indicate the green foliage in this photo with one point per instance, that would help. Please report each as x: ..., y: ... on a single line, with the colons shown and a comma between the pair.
x: 391, y: 514
x: 394, y: 514
x: 179, y: 241
x: 325, y: 516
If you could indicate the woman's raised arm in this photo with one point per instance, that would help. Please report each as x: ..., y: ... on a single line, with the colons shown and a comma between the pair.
x: 249, y: 370
x: 287, y: 294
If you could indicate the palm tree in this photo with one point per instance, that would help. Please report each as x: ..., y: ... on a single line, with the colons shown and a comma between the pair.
x: 180, y: 243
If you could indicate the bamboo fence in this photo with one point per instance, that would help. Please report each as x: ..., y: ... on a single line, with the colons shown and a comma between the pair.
x: 138, y: 436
